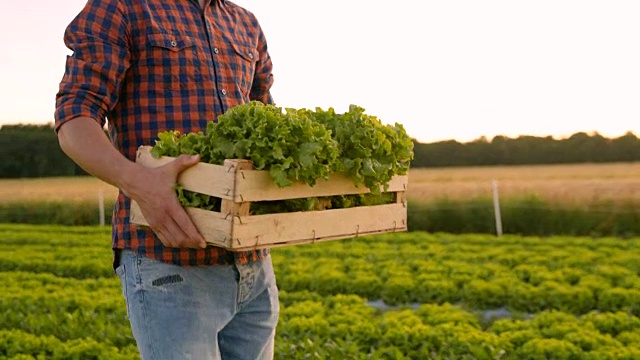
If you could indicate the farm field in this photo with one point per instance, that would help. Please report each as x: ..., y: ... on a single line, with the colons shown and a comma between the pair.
x: 395, y: 296
x: 566, y: 184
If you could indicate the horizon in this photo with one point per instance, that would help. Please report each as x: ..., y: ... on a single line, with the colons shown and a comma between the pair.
x: 480, y: 138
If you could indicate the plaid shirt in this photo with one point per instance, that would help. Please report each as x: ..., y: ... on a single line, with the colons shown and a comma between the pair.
x: 154, y: 65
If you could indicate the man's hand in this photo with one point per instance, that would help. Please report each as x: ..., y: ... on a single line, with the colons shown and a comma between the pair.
x: 84, y: 141
x: 153, y: 190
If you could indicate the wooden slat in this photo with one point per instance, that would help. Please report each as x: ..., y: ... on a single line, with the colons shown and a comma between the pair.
x: 311, y: 226
x: 215, y: 227
x: 258, y: 186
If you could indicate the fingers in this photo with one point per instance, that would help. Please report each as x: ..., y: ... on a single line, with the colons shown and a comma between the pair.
x: 160, y: 206
x: 182, y: 162
x: 175, y: 229
x: 172, y: 236
x: 184, y: 233
x: 193, y: 238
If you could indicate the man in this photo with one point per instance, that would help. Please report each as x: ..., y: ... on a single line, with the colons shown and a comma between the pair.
x: 146, y: 66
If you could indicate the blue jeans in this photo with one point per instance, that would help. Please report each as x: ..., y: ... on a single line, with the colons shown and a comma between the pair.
x: 201, y: 313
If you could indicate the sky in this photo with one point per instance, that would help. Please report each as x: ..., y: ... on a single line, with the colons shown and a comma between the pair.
x: 444, y: 69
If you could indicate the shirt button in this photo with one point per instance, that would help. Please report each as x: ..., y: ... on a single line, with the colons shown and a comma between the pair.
x: 224, y: 92
x: 174, y: 43
x: 250, y: 55
x: 215, y: 50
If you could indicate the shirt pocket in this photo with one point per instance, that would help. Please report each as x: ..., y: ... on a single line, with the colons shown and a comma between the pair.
x: 245, y: 60
x: 171, y: 61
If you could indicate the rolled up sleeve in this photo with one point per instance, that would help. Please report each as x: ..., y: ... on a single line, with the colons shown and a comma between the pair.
x: 98, y: 38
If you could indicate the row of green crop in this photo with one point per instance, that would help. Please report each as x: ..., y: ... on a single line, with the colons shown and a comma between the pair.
x: 525, y: 216
x: 448, y: 332
x: 522, y: 274
x: 86, y: 319
x: 61, y: 300
x: 21, y: 345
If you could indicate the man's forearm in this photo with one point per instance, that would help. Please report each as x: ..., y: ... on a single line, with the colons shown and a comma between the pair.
x: 84, y: 141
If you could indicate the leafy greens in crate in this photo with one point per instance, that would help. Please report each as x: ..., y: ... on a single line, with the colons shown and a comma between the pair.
x: 298, y: 145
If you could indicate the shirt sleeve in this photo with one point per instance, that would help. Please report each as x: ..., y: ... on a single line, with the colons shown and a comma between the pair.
x: 98, y: 38
x: 263, y: 77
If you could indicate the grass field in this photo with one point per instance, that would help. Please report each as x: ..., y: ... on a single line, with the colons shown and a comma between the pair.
x: 567, y: 184
x: 82, y: 189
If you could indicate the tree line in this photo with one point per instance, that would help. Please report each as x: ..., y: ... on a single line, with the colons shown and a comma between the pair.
x: 33, y: 151
x: 528, y: 150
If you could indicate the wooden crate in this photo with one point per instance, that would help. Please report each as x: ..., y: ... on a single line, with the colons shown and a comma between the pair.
x: 237, y: 184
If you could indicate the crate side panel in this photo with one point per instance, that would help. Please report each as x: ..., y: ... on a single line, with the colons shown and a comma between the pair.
x: 257, y: 245
x: 300, y: 227
x: 258, y: 186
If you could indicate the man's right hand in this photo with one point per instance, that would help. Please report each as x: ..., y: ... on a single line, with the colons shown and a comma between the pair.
x: 153, y: 190
x: 84, y: 141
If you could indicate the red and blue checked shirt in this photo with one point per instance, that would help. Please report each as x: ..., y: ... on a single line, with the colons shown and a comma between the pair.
x: 148, y: 66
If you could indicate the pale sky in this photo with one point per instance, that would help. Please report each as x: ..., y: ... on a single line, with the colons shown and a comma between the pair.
x: 445, y: 69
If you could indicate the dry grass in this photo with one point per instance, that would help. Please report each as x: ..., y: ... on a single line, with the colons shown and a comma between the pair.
x: 584, y: 183
x: 568, y: 184
x: 81, y: 189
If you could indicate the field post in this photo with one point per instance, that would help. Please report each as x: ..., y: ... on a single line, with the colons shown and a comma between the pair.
x: 101, y: 206
x: 496, y: 208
